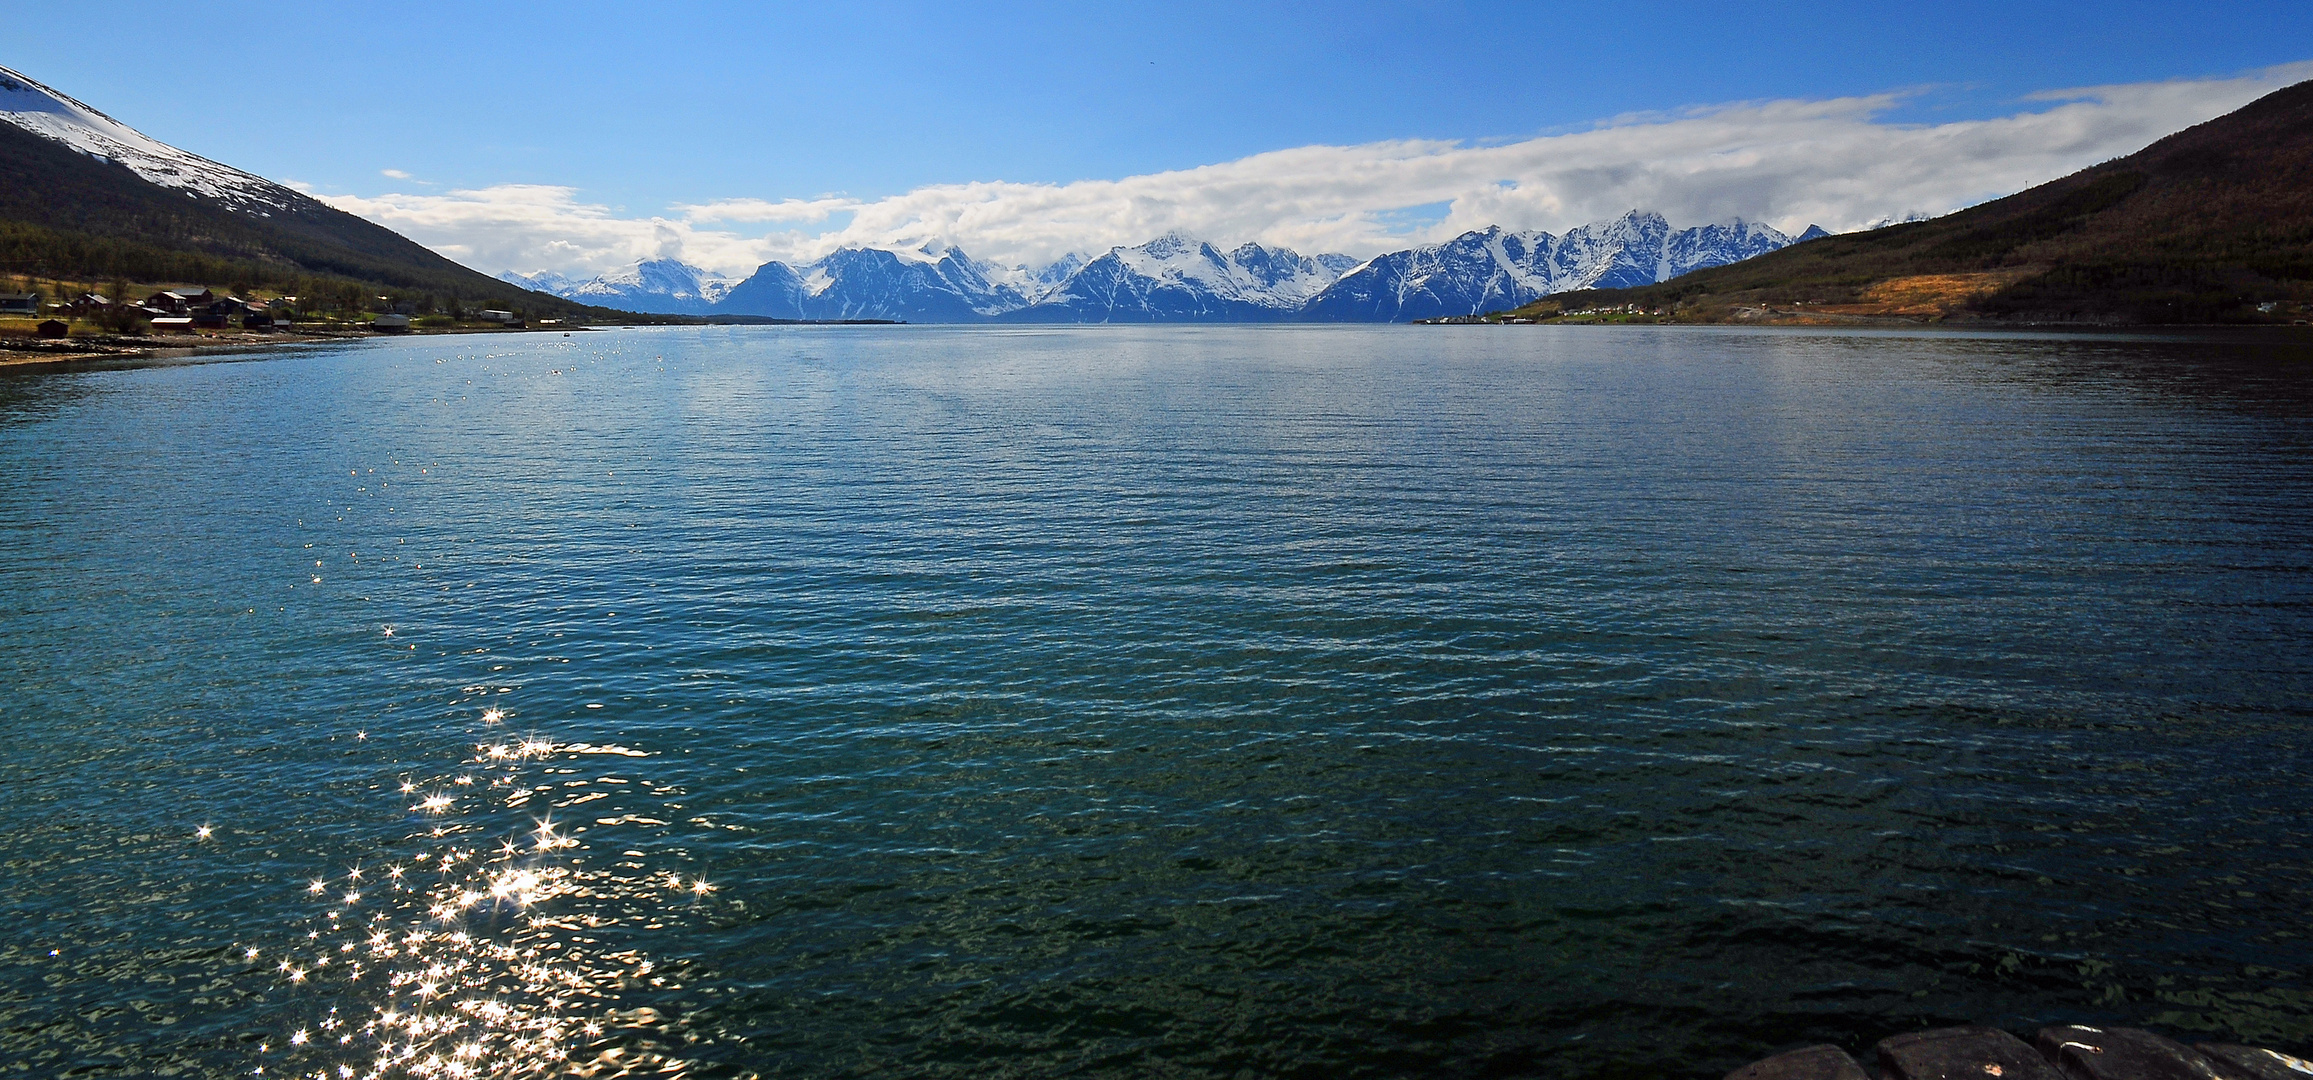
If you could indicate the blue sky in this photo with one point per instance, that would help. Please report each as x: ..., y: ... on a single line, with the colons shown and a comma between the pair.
x: 638, y: 108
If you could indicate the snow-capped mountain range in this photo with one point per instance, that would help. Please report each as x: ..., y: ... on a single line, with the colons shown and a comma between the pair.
x: 1178, y: 278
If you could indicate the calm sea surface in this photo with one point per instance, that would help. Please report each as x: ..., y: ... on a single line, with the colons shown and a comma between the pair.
x: 1190, y: 702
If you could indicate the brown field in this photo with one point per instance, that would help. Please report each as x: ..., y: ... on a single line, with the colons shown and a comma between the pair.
x: 1929, y: 296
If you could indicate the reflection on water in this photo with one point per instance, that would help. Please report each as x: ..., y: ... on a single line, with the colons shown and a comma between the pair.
x: 484, y: 952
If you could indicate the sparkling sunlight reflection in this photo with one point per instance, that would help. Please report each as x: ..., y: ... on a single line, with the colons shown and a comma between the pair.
x: 477, y: 957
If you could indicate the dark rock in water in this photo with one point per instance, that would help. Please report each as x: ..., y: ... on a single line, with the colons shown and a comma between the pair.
x: 1962, y: 1053
x: 2256, y: 1063
x: 1824, y: 1062
x: 2086, y: 1053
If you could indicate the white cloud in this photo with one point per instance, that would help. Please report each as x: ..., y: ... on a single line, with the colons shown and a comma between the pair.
x: 809, y: 212
x: 1788, y: 163
x: 530, y: 227
x: 394, y: 173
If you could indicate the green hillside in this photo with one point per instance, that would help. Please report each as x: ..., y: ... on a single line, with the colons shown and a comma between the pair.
x: 2207, y: 225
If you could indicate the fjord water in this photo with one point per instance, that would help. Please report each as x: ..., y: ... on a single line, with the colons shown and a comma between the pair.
x: 1375, y: 701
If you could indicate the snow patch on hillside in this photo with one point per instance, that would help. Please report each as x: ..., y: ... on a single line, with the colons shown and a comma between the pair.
x: 53, y: 116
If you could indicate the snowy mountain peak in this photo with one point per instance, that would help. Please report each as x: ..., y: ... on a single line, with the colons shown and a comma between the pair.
x: 928, y: 253
x: 1059, y: 270
x: 53, y: 116
x: 1173, y: 244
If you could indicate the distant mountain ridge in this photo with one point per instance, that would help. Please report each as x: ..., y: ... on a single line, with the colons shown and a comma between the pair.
x: 1179, y: 278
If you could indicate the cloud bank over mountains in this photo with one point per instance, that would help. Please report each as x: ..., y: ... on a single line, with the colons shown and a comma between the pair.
x: 1836, y: 162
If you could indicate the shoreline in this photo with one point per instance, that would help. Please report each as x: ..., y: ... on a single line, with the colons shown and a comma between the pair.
x: 1829, y: 316
x: 44, y: 354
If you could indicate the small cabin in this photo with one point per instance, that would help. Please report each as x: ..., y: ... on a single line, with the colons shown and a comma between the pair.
x: 20, y: 303
x: 181, y: 301
x: 497, y: 316
x: 54, y: 329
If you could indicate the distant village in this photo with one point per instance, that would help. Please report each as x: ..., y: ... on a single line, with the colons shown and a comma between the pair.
x: 187, y: 310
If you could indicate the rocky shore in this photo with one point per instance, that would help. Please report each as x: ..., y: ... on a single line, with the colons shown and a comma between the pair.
x: 2067, y: 1052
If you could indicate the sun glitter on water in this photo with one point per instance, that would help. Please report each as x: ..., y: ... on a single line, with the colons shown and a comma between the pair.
x: 475, y: 957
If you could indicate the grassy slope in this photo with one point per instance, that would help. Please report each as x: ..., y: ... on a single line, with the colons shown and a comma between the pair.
x: 2198, y: 227
x: 66, y: 215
